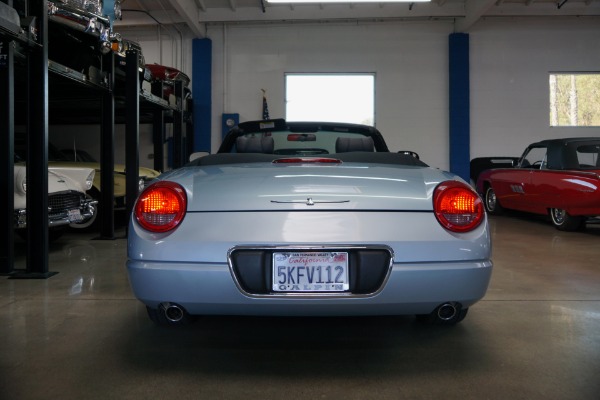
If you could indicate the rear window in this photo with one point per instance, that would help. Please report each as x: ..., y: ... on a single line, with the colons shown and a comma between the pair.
x: 587, y: 156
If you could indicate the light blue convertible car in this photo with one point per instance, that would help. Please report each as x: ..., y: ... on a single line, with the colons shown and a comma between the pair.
x: 308, y: 219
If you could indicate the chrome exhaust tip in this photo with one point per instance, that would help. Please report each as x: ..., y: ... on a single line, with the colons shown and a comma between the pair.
x: 447, y: 311
x: 173, y: 312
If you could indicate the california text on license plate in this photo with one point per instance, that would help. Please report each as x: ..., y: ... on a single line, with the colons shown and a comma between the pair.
x: 310, y: 272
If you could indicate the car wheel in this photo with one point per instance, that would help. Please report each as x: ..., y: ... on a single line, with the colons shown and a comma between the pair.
x: 159, y: 317
x: 443, y: 315
x: 492, y: 205
x: 565, y: 222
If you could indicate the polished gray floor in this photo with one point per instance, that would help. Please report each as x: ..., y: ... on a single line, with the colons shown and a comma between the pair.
x: 536, y: 335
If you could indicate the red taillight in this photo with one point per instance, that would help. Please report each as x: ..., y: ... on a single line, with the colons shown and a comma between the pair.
x: 457, y: 207
x: 161, y: 207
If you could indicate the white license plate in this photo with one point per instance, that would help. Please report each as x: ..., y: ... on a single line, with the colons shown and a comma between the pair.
x: 74, y: 215
x: 310, y: 272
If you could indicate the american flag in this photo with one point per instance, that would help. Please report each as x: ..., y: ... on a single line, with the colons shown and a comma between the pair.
x: 265, y: 107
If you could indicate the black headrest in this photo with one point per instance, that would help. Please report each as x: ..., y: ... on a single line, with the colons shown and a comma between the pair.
x: 346, y: 144
x: 255, y: 144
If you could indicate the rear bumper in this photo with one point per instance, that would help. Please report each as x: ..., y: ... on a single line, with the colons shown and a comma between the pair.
x: 210, y: 289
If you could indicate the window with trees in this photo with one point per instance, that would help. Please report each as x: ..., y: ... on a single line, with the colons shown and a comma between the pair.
x: 575, y: 99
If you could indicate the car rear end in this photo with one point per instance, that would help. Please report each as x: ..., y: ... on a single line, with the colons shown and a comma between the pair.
x: 309, y: 238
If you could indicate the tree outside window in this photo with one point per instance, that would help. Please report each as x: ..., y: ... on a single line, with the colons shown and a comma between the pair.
x: 574, y: 99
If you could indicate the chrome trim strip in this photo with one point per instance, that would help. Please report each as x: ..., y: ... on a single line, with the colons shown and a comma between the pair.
x: 309, y: 201
x: 319, y: 295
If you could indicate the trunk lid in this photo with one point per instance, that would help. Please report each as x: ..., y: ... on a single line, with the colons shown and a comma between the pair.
x: 279, y: 187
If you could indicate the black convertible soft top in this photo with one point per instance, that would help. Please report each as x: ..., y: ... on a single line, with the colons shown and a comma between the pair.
x: 354, y: 157
x: 562, y: 153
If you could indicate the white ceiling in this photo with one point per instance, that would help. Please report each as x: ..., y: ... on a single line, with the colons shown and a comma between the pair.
x: 196, y: 14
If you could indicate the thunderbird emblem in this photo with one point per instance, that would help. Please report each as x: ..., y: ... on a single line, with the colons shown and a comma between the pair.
x: 309, y: 201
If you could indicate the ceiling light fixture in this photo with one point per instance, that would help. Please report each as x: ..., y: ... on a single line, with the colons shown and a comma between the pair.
x: 347, y: 1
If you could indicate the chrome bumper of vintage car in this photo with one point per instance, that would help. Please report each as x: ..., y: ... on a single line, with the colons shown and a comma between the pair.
x: 63, y: 209
x: 210, y: 289
x: 82, y: 21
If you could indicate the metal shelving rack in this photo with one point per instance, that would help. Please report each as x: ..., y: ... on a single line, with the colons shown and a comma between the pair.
x: 105, y: 105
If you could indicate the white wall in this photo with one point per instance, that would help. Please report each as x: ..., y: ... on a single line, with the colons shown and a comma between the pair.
x: 510, y: 64
x: 409, y: 59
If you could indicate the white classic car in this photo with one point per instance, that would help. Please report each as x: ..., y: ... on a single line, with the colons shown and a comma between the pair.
x: 67, y: 201
x: 80, y: 158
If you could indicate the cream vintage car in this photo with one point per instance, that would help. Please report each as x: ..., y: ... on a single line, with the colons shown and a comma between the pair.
x: 77, y: 159
x: 68, y: 203
x: 80, y: 158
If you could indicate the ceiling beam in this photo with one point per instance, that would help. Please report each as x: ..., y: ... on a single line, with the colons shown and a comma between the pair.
x: 474, y: 9
x: 330, y: 12
x: 201, y: 5
x: 190, y: 14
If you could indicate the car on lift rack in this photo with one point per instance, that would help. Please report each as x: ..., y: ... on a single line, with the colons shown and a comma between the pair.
x: 67, y: 202
x: 555, y: 177
x: 9, y: 21
x: 168, y: 76
x: 80, y: 27
x: 308, y: 219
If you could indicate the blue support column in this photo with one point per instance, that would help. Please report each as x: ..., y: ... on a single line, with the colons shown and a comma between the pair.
x: 460, y: 117
x: 202, y: 93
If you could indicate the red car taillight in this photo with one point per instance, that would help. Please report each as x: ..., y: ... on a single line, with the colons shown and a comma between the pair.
x: 457, y: 207
x: 161, y: 207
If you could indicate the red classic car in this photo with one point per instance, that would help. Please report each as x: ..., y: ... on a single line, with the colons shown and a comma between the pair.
x: 168, y: 75
x: 558, y: 177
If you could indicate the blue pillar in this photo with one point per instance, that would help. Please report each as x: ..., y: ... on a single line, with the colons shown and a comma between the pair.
x: 460, y: 118
x: 202, y: 93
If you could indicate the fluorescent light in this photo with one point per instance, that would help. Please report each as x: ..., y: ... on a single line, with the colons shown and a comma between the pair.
x: 347, y: 1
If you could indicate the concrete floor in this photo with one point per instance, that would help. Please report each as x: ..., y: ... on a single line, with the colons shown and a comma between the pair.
x: 536, y: 335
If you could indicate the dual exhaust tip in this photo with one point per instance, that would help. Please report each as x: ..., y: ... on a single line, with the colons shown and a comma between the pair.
x: 175, y: 313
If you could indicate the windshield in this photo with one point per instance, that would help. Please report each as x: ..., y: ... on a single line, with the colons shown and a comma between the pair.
x: 21, y: 151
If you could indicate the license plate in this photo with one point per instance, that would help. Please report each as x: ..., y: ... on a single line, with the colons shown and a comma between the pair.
x: 74, y: 215
x: 310, y: 272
